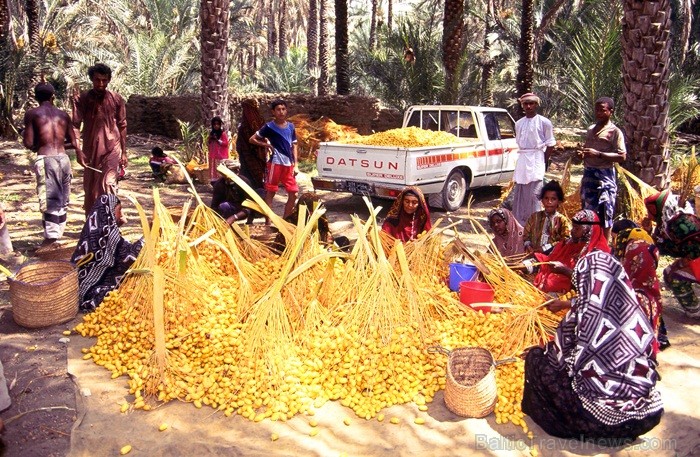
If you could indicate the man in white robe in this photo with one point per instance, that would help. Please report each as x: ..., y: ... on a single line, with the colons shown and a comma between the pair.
x: 535, y: 137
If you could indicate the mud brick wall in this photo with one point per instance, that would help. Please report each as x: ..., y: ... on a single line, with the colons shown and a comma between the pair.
x: 158, y: 115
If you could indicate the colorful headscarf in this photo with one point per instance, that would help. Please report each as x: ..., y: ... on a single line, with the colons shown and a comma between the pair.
x: 512, y: 243
x: 664, y: 205
x: 684, y: 231
x: 592, y: 231
x: 628, y: 235
x: 403, y: 226
x: 605, y: 344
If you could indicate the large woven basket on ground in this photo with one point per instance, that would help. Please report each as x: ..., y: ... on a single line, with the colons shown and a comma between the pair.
x: 44, y: 293
x: 60, y: 250
x: 470, y: 390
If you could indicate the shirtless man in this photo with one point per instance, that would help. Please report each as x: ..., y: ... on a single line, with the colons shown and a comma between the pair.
x: 46, y: 130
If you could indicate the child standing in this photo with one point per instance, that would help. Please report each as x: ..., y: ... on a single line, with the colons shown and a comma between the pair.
x: 218, y: 146
x: 279, y: 137
x: 545, y: 228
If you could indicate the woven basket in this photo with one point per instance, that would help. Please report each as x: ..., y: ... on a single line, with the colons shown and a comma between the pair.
x: 200, y: 175
x: 60, y: 250
x: 44, y: 293
x: 470, y: 390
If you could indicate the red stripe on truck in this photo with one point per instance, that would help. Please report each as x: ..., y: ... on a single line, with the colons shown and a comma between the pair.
x: 431, y: 161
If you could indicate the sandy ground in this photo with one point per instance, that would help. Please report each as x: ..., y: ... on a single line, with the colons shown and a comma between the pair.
x: 51, y: 415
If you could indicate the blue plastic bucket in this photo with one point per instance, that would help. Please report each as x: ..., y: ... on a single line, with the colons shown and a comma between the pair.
x: 461, y: 272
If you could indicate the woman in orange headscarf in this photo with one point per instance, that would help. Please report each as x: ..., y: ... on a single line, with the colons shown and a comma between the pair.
x: 408, y: 216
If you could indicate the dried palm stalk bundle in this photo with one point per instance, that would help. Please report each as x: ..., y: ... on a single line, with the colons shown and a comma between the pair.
x: 202, y: 318
x: 686, y: 177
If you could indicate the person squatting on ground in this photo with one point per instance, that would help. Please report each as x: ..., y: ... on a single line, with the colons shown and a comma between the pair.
x: 507, y: 232
x: 604, y: 146
x: 408, y: 216
x: 636, y: 251
x: 253, y: 158
x: 102, y: 255
x: 535, y: 138
x: 228, y: 197
x: 597, y: 379
x: 102, y: 113
x: 280, y: 138
x: 46, y: 130
x: 683, y: 230
x: 217, y: 145
x: 159, y: 161
x: 545, y: 229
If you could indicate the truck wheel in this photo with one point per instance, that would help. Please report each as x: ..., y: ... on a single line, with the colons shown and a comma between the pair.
x: 453, y: 192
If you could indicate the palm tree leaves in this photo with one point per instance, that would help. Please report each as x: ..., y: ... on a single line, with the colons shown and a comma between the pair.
x: 588, y: 58
x: 386, y: 74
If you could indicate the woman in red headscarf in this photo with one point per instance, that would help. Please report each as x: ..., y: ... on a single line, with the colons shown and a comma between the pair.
x: 587, y: 235
x: 408, y: 216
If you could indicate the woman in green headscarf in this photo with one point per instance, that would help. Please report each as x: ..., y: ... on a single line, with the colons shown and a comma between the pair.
x: 683, y: 231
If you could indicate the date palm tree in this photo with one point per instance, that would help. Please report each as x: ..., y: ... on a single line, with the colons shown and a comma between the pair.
x: 342, y: 64
x: 526, y: 47
x: 312, y: 46
x: 646, y: 66
x: 323, y: 49
x: 452, y: 47
x: 214, y: 19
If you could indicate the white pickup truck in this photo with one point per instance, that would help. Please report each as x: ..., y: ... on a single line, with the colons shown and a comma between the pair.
x: 484, y: 154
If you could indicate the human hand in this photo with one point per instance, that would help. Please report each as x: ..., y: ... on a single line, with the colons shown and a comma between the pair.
x: 80, y: 158
x: 124, y: 160
x: 558, y: 305
x: 560, y: 268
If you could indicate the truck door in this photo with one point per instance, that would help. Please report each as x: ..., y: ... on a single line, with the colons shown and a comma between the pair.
x: 494, y: 149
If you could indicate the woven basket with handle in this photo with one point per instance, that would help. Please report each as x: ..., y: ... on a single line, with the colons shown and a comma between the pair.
x: 470, y: 390
x: 44, y: 293
x: 60, y: 250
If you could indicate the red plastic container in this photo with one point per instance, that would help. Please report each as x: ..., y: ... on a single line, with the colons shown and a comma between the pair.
x: 476, y: 292
x: 694, y: 266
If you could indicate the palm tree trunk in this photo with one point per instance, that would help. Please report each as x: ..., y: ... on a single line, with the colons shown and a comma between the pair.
x: 214, y: 17
x: 342, y: 64
x: 323, y: 50
x: 32, y: 9
x: 526, y: 46
x: 4, y: 23
x: 7, y: 72
x: 312, y: 46
x: 487, y: 65
x: 389, y: 14
x: 452, y: 45
x: 283, y: 29
x: 373, y: 25
x: 646, y: 47
x: 271, y: 30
